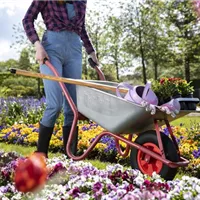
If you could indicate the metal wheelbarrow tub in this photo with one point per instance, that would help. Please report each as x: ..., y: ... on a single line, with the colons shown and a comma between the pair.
x: 116, y: 114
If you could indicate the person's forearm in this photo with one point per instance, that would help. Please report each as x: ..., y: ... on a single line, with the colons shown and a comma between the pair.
x: 41, y: 54
x: 86, y: 41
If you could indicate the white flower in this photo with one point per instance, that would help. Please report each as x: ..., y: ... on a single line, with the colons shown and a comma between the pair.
x: 197, y: 188
x: 139, y: 180
x: 112, y: 168
x: 18, y: 196
x: 112, y: 193
x: 5, y: 198
x: 155, y: 176
x: 121, y: 193
x: 197, y: 197
x: 185, y: 178
x: 188, y: 195
x: 83, y: 197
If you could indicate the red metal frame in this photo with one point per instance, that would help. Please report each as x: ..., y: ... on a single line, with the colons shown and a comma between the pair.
x: 162, y: 158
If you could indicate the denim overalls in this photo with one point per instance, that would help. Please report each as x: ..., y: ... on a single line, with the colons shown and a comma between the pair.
x: 65, y: 53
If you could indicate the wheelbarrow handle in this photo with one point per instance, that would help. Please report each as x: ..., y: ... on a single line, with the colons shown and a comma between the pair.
x: 92, y: 63
x: 45, y: 59
x: 95, y: 66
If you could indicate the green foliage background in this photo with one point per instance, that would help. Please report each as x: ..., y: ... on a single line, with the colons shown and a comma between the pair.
x: 147, y: 39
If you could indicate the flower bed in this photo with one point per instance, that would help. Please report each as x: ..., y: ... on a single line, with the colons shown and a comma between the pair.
x: 80, y: 180
x: 105, y: 150
x: 20, y: 110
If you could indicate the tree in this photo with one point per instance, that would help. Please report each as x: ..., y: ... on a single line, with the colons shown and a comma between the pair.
x: 157, y: 42
x: 185, y: 31
x: 113, y: 38
x: 24, y: 60
x: 6, y: 65
x: 94, y: 23
x: 134, y: 21
x: 146, y: 36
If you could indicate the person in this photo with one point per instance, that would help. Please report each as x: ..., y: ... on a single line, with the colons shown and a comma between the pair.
x: 62, y: 45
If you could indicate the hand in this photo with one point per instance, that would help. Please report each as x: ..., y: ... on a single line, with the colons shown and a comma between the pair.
x: 94, y: 57
x: 40, y: 52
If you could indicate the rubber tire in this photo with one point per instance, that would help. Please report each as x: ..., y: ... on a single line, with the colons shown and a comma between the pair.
x: 166, y: 172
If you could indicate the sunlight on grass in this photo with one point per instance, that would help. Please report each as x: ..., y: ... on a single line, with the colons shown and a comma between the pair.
x: 186, y: 121
x: 23, y: 150
x: 98, y: 164
x: 26, y: 151
x: 179, y: 175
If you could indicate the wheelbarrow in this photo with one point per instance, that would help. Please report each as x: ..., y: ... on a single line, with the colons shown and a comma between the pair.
x: 152, y: 151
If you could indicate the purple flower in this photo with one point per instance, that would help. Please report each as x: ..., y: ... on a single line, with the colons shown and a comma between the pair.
x: 147, y: 182
x: 166, y: 131
x: 58, y: 167
x: 97, y: 186
x: 196, y: 153
x: 125, y: 175
x: 130, y: 187
x: 75, y: 192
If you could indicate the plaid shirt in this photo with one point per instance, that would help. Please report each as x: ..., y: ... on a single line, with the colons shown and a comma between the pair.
x: 56, y: 19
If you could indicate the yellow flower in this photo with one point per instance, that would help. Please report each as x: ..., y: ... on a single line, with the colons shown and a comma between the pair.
x: 32, y: 138
x: 12, y: 135
x: 126, y: 136
x: 26, y: 131
x: 83, y: 144
x: 5, y: 131
x: 100, y: 146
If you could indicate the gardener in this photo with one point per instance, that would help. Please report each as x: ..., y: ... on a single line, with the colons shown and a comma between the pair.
x: 62, y: 45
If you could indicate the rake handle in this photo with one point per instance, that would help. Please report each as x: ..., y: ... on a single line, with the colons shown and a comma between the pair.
x: 66, y: 80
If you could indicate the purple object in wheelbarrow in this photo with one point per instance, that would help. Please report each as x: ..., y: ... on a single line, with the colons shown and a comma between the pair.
x: 138, y: 94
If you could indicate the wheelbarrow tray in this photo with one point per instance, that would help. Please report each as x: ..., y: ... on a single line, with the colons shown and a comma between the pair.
x: 116, y: 114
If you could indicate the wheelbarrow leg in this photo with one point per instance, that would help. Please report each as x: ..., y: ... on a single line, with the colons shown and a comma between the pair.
x: 66, y: 132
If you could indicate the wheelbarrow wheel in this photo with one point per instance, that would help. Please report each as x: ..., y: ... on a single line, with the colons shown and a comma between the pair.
x: 147, y: 164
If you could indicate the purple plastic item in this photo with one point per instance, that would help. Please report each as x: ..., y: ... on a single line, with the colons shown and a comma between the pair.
x: 138, y: 94
x: 172, y: 105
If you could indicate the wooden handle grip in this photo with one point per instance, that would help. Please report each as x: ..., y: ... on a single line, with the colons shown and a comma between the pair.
x: 67, y: 80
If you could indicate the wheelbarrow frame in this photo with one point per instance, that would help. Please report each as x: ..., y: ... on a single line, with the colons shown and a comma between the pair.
x: 129, y: 143
x: 162, y: 158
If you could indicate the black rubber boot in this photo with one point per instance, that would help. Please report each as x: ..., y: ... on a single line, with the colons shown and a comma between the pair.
x: 45, y: 134
x: 66, y: 132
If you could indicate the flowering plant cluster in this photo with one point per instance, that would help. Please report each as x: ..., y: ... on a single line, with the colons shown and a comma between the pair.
x: 188, y: 140
x: 171, y: 87
x: 19, y: 110
x: 69, y: 180
x: 189, y: 145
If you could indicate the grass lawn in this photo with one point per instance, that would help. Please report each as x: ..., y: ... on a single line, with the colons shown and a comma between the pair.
x: 187, y: 121
x: 26, y: 151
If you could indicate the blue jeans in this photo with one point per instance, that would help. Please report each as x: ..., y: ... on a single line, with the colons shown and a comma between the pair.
x: 65, y: 53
